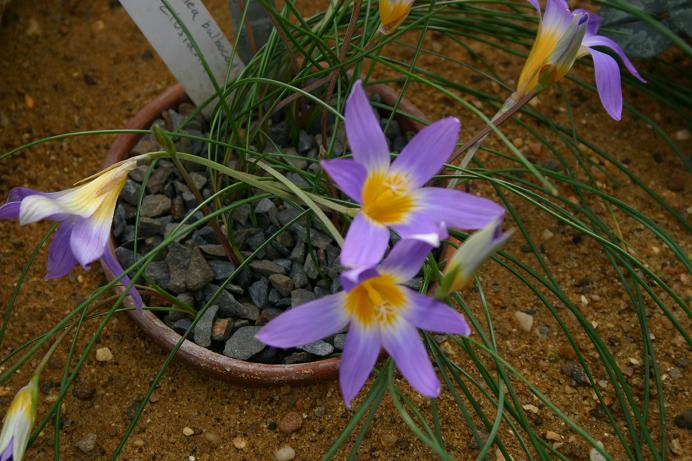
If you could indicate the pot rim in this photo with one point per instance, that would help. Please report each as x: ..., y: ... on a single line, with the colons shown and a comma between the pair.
x: 202, y: 359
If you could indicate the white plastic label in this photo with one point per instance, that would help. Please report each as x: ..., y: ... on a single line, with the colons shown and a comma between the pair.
x: 169, y: 40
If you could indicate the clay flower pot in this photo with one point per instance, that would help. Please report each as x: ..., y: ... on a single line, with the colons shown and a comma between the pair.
x: 202, y: 359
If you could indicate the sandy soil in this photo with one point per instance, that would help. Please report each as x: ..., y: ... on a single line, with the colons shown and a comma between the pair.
x: 70, y: 65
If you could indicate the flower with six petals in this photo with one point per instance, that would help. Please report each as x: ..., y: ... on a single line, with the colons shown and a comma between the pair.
x: 86, y: 214
x: 564, y: 36
x: 391, y: 195
x: 379, y: 312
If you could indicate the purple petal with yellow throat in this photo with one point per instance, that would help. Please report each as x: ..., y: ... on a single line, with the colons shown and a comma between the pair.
x: 405, y: 259
x: 428, y: 314
x: 306, y: 323
x: 113, y: 265
x: 361, y: 349
x: 61, y: 260
x: 608, y: 83
x: 351, y: 278
x: 427, y: 152
x: 456, y: 208
x: 365, y: 243
x: 404, y: 344
x: 348, y: 175
x: 367, y: 141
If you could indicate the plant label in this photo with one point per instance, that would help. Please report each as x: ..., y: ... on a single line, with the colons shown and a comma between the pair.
x: 165, y: 33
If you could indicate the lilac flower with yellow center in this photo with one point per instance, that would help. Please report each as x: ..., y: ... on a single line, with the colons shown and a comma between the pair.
x: 564, y: 36
x: 393, y: 13
x: 391, y: 195
x: 86, y: 214
x: 379, y: 312
x: 18, y: 422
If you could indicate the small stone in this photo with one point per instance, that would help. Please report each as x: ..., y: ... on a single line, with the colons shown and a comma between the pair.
x: 241, y: 213
x: 178, y: 259
x: 87, y: 443
x: 264, y: 206
x: 259, y: 291
x: 319, y: 347
x: 104, y: 354
x: 213, y: 438
x: 83, y: 390
x: 594, y: 455
x: 285, y: 453
x: 203, y: 328
x: 199, y: 273
x: 181, y: 326
x: 130, y: 192
x: 518, y: 142
x: 139, y: 443
x: 188, y: 431
x: 222, y: 269
x: 266, y: 267
x: 574, y: 371
x: 298, y: 275
x: 291, y: 422
x: 239, y: 442
x: 199, y: 180
x: 532, y: 408
x: 311, y: 269
x: 243, y: 344
x: 221, y: 330
x: 524, y: 320
x: 216, y: 250
x: 339, y: 341
x: 553, y: 436
x: 155, y: 205
x: 682, y: 135
x: 684, y: 419
x: 546, y: 235
x: 301, y: 296
x: 282, y: 283
x: 156, y: 271
x: 675, y: 447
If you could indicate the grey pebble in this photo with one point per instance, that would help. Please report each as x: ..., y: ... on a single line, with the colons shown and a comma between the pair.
x: 222, y: 269
x: 259, y: 291
x: 266, y: 267
x: 243, y: 344
x: 319, y: 348
x: 202, y: 332
x: 339, y: 341
x: 182, y: 325
x: 130, y: 192
x: 301, y: 296
x: 155, y: 205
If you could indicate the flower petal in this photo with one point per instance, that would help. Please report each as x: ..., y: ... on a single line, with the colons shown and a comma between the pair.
x: 10, y: 210
x: 365, y: 243
x: 556, y: 17
x: 431, y: 315
x: 420, y: 227
x: 593, y: 22
x: 456, y: 208
x: 608, y: 83
x: 536, y: 5
x: 61, y: 261
x: 367, y: 141
x: 405, y: 259
x: 113, y: 265
x: 404, y: 344
x: 361, y: 349
x: 427, y: 152
x: 70, y: 202
x: 306, y: 323
x: 88, y: 239
x: 352, y: 278
x: 600, y: 40
x: 348, y: 175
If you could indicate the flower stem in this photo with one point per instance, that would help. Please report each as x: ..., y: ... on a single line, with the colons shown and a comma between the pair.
x: 231, y: 251
x: 49, y: 353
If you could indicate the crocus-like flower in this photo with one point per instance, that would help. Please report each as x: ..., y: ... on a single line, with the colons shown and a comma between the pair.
x: 471, y: 254
x: 563, y: 36
x: 86, y: 214
x: 393, y: 13
x: 381, y: 313
x: 392, y: 195
x: 18, y: 422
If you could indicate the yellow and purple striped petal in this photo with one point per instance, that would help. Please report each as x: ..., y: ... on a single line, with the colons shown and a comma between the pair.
x: 393, y: 13
x: 18, y: 422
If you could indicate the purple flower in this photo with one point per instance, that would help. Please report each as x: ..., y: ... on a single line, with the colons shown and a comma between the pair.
x: 18, y: 422
x: 86, y: 214
x: 564, y: 36
x: 392, y: 195
x: 380, y: 312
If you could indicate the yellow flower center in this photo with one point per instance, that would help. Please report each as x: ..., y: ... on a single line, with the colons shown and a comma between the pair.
x: 387, y: 198
x: 378, y: 300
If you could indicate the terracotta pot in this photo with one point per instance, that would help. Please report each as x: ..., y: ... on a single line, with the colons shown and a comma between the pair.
x: 202, y: 359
